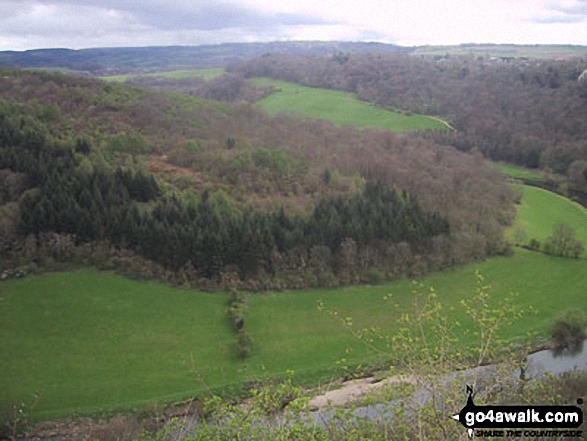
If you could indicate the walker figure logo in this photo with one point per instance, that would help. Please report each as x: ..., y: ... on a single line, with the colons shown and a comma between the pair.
x: 492, y: 420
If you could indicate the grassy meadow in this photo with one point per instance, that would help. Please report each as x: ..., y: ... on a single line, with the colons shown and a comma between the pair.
x: 339, y: 107
x: 88, y: 342
x: 555, y: 51
x: 541, y: 209
x: 516, y: 172
x: 205, y: 74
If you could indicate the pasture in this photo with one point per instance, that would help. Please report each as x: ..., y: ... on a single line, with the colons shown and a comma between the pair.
x: 553, y: 51
x: 516, y: 172
x: 204, y: 73
x: 339, y: 107
x: 88, y: 342
x: 541, y: 209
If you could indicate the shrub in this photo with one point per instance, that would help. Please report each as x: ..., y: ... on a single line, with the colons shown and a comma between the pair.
x: 569, y: 328
x: 238, y: 309
x: 243, y: 343
x: 237, y: 312
x: 134, y: 144
x: 274, y: 398
x: 372, y: 277
x: 563, y: 242
x: 534, y: 244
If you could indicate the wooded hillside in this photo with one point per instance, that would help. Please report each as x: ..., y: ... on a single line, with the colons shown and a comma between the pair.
x: 225, y: 193
x: 527, y: 112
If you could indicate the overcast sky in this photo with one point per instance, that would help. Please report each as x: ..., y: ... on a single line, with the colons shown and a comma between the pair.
x: 31, y: 24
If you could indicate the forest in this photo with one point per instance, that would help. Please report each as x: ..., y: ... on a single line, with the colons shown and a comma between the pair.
x: 522, y: 111
x: 207, y: 192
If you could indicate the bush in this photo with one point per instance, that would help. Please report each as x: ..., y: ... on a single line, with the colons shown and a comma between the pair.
x: 563, y: 242
x: 372, y: 277
x: 534, y: 244
x: 243, y: 344
x: 134, y: 144
x: 237, y: 312
x: 238, y: 309
x: 275, y: 397
x: 569, y: 328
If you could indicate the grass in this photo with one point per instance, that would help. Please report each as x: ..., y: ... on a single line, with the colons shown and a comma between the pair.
x: 541, y: 209
x: 88, y: 342
x: 205, y: 74
x: 339, y: 107
x: 117, y: 78
x: 287, y: 326
x: 517, y: 172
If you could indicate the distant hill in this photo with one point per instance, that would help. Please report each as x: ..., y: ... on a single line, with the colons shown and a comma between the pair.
x: 109, y: 61
x: 548, y: 51
x: 121, y: 60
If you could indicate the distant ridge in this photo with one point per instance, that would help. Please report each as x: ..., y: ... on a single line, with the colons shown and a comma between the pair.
x: 547, y: 51
x: 107, y: 61
x: 120, y: 60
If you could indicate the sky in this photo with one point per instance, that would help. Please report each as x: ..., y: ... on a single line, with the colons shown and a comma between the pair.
x: 76, y: 24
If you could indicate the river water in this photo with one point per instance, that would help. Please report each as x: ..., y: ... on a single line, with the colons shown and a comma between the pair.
x: 554, y: 362
x: 541, y: 362
x: 557, y: 362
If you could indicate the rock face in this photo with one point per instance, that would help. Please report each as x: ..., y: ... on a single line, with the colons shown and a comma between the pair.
x: 354, y: 389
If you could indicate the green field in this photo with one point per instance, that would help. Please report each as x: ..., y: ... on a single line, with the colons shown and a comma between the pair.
x: 516, y: 172
x: 339, y: 107
x: 554, y: 51
x: 541, y: 209
x: 88, y: 342
x: 205, y: 74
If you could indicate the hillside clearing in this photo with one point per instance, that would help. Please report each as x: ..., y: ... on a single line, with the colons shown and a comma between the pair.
x: 204, y: 74
x: 540, y: 210
x: 516, y: 172
x: 339, y: 107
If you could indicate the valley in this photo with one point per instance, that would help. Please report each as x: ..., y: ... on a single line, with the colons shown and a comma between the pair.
x: 196, y: 231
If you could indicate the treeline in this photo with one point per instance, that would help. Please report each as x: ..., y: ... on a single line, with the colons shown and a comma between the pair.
x: 527, y: 112
x: 102, y: 205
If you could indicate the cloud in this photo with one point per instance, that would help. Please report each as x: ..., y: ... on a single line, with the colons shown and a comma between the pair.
x: 90, y: 23
x: 564, y: 12
x: 27, y: 24
x: 52, y: 21
x: 579, y: 7
x: 219, y: 16
x: 559, y: 19
x: 194, y: 15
